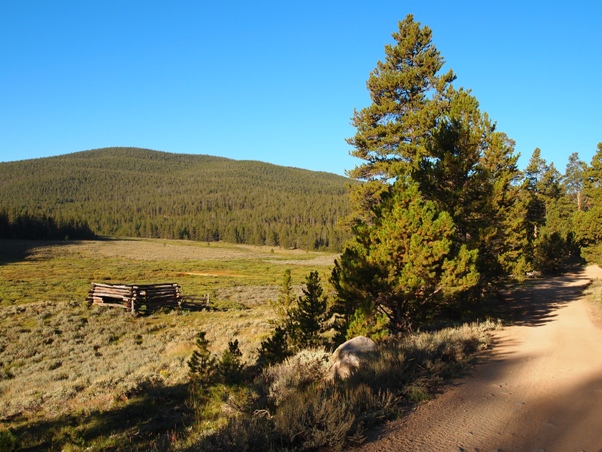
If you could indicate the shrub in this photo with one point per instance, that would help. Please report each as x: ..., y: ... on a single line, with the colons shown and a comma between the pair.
x: 427, y: 357
x: 295, y: 374
x: 305, y: 410
x: 241, y: 433
x: 331, y: 415
x: 370, y: 405
x: 321, y: 417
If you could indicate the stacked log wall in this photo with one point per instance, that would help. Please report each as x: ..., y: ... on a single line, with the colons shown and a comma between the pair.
x: 133, y: 296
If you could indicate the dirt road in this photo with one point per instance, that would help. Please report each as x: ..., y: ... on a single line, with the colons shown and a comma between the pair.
x: 539, y: 390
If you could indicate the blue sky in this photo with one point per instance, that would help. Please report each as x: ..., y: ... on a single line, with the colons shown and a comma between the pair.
x: 277, y: 81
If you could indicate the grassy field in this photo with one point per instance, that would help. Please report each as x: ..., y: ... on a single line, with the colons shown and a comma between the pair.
x: 74, y: 376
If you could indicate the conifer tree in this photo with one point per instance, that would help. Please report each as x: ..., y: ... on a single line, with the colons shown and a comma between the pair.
x: 408, y: 269
x: 588, y: 224
x: 470, y: 172
x: 309, y: 315
x: 592, y: 184
x: 407, y: 95
x: 278, y: 346
x: 574, y: 179
x: 230, y: 365
x: 549, y: 216
x: 534, y: 184
x: 430, y: 220
x: 502, y: 234
x: 275, y: 348
x: 203, y: 364
x: 513, y: 257
x: 286, y: 298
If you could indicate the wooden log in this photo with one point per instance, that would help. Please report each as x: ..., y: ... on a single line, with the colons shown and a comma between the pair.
x: 135, y: 295
x: 109, y: 292
x: 114, y: 305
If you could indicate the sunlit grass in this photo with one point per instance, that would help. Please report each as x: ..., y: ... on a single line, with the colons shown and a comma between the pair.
x: 64, y: 271
x: 69, y: 372
x: 74, y: 377
x: 594, y: 291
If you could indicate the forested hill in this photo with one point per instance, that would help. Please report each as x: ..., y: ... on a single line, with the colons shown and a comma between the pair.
x: 143, y: 193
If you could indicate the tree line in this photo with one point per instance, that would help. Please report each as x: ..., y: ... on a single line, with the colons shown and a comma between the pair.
x: 141, y: 193
x: 443, y: 216
x: 42, y: 227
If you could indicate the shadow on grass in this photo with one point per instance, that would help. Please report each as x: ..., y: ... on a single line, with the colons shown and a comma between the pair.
x: 17, y: 250
x: 147, y: 421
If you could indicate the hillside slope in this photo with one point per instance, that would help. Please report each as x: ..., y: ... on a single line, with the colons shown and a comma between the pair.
x: 143, y: 193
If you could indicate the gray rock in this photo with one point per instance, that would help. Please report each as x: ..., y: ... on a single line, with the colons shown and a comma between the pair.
x: 347, y: 358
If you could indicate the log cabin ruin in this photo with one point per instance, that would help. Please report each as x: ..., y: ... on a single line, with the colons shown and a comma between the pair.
x: 134, y: 297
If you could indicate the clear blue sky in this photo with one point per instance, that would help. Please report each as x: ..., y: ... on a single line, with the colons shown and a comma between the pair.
x: 277, y: 81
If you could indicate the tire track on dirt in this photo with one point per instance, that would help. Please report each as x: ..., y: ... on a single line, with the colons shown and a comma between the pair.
x: 539, y: 389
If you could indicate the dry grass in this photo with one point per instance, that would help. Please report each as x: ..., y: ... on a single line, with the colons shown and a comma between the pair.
x: 74, y: 377
x: 70, y: 374
x: 302, y: 408
x: 594, y: 295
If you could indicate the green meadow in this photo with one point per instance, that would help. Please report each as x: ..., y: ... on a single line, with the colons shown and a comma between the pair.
x: 80, y: 375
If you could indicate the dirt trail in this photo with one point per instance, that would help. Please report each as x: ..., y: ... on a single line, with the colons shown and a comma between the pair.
x: 539, y: 390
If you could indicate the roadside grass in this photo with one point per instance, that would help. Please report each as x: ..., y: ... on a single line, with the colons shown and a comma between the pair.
x: 594, y: 292
x: 297, y: 405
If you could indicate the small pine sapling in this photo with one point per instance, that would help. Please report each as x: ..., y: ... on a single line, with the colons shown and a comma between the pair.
x: 230, y: 367
x: 203, y: 368
x: 274, y: 349
x: 309, y: 316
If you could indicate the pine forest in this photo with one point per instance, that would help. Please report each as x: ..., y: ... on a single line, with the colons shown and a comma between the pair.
x: 129, y: 192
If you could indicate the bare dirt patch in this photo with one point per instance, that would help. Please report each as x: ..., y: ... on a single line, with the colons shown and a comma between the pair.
x: 314, y: 262
x: 539, y: 389
x: 140, y: 249
x: 215, y: 273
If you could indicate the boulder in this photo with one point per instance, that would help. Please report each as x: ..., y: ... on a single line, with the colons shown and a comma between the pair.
x: 346, y: 359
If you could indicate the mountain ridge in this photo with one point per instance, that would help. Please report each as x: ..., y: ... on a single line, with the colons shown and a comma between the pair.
x: 139, y: 192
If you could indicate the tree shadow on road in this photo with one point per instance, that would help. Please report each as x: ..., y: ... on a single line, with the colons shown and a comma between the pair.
x: 535, y: 302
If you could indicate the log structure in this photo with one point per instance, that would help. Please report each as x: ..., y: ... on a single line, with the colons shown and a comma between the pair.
x: 133, y: 297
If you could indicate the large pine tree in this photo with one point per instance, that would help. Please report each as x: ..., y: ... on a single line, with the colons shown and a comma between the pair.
x: 574, y: 179
x: 407, y: 97
x: 429, y: 221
